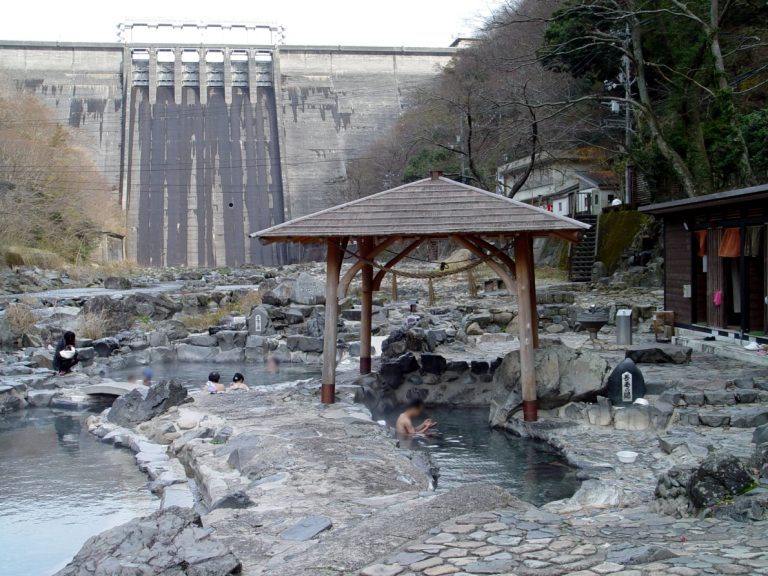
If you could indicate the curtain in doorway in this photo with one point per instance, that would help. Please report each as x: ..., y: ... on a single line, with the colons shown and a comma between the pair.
x: 730, y: 245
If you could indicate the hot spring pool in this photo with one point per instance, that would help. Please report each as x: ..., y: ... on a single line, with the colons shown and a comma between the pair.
x: 467, y: 450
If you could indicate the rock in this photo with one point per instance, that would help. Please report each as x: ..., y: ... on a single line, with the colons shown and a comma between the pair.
x: 382, y: 570
x: 189, y: 353
x: 760, y: 435
x: 280, y: 295
x: 714, y: 418
x: 40, y: 398
x: 259, y: 322
x: 169, y: 541
x: 718, y: 477
x: 237, y: 499
x: 659, y: 354
x: 562, y: 375
x: 749, y: 417
x: 233, y: 356
x: 634, y: 417
x: 474, y: 329
x: 638, y: 554
x: 393, y: 372
x: 134, y: 407
x: 229, y: 339
x: 600, y: 414
x: 305, y: 344
x: 722, y: 397
x: 626, y: 383
x: 202, y: 339
x: 86, y: 354
x: 433, y: 363
x: 117, y: 283
x: 308, y: 289
x: 105, y: 346
x: 307, y: 528
x: 43, y: 359
x: 401, y: 341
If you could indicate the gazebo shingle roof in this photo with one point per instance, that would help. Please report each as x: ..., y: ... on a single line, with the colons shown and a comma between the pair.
x: 436, y: 207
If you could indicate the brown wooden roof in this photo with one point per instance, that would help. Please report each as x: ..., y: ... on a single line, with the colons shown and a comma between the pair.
x: 433, y: 207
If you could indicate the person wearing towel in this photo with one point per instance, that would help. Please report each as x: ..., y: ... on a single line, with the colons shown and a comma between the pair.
x: 65, y: 356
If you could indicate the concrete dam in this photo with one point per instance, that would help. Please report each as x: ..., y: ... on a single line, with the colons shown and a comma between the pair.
x: 203, y: 142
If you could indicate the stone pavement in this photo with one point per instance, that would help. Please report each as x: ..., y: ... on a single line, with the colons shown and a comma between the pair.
x: 632, y: 541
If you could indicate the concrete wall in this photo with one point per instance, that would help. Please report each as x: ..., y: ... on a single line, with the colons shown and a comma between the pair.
x: 197, y: 167
x: 333, y: 103
x: 81, y: 85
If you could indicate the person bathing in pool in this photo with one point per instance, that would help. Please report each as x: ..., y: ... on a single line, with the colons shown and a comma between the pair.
x: 238, y: 383
x: 404, y: 425
x: 214, y: 385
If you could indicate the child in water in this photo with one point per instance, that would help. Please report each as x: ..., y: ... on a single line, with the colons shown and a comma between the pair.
x: 238, y: 382
x: 214, y: 386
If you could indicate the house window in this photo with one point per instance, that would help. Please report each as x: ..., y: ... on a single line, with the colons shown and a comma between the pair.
x: 597, y: 199
x: 559, y: 206
x: 610, y: 198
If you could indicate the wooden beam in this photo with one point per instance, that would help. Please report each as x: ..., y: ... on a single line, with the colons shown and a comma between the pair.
x: 505, y: 275
x: 333, y: 269
x: 397, y: 258
x: 568, y: 235
x: 366, y: 315
x: 504, y: 258
x: 357, y: 266
x: 524, y: 261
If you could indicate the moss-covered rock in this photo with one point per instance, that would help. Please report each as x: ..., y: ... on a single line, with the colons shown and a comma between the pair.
x: 616, y: 232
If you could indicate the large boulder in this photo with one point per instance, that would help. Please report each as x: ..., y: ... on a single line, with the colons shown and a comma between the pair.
x: 562, y: 375
x: 308, y: 290
x: 404, y: 340
x: 280, y: 295
x: 141, y: 405
x: 170, y: 541
x: 718, y: 477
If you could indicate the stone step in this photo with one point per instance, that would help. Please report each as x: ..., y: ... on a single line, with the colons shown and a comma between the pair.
x: 733, y: 417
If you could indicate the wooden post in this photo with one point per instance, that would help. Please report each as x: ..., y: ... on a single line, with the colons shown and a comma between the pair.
x: 367, y: 309
x: 534, y: 308
x: 333, y: 269
x: 524, y: 264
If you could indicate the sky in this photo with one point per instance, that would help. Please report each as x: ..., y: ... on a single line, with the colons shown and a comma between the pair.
x: 351, y: 22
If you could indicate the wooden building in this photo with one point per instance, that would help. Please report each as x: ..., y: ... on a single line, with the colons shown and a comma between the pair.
x: 715, y: 260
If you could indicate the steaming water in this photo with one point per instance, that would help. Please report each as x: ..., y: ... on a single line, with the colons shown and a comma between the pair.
x: 467, y: 450
x: 59, y: 485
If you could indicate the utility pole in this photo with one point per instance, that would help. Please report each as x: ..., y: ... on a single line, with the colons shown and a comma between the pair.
x: 627, y: 74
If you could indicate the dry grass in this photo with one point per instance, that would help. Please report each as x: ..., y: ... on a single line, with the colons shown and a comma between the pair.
x: 249, y: 300
x: 21, y: 318
x: 25, y: 256
x: 122, y: 268
x: 200, y: 322
x: 242, y: 305
x: 93, y: 324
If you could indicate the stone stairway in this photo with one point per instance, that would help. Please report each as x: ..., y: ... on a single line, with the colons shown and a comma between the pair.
x: 583, y: 254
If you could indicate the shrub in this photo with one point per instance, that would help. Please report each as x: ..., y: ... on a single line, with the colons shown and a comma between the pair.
x: 25, y: 256
x: 21, y: 318
x: 93, y: 324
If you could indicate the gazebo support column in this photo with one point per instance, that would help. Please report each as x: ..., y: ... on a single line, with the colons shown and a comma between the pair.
x: 534, y: 309
x: 524, y: 262
x: 333, y: 269
x: 367, y: 311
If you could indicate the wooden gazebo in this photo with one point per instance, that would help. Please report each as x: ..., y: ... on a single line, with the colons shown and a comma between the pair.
x: 429, y: 209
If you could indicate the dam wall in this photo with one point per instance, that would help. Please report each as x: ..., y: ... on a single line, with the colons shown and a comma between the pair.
x: 204, y: 144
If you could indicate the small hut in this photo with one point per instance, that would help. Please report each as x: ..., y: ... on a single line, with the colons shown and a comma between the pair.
x: 407, y: 216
